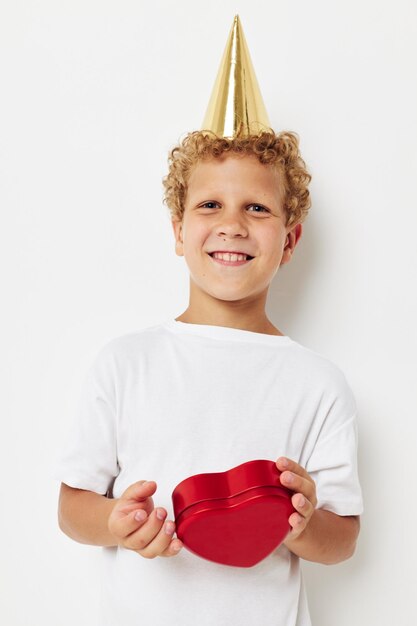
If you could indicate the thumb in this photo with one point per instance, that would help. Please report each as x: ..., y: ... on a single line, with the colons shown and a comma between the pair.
x: 140, y: 491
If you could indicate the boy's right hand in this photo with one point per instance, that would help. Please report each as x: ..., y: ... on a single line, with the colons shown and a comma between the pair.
x: 150, y: 536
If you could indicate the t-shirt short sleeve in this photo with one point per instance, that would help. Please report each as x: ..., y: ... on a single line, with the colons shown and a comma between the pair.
x: 333, y: 462
x: 87, y: 455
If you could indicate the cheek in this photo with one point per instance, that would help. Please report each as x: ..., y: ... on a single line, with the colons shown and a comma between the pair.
x: 275, y: 246
x: 195, y: 240
x: 195, y: 234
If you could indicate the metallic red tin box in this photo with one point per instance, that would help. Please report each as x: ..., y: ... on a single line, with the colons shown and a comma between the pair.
x: 237, y: 517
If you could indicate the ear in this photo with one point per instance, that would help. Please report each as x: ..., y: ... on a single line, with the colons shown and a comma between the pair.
x: 291, y: 240
x: 177, y: 227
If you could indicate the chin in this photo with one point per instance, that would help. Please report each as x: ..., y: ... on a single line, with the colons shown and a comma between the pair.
x: 238, y: 296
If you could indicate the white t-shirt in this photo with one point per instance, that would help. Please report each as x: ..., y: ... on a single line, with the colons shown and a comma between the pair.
x: 179, y: 399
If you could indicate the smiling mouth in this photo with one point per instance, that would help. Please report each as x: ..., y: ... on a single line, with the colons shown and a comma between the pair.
x: 231, y: 263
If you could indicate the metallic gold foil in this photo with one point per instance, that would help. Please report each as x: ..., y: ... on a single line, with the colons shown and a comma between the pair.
x: 236, y: 105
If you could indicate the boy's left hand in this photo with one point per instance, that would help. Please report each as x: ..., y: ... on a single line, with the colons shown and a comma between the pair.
x: 304, y: 500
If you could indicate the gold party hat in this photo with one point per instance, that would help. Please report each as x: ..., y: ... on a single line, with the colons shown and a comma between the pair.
x: 236, y: 105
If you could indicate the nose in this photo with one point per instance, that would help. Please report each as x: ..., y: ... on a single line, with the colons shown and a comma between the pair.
x: 231, y: 224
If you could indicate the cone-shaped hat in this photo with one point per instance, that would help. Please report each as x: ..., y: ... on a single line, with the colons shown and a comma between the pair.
x: 236, y: 100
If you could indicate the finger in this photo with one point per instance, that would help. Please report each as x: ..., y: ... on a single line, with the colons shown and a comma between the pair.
x: 302, y: 505
x: 140, y: 490
x: 124, y: 507
x: 142, y: 537
x: 137, y: 493
x: 283, y: 463
x: 173, y: 548
x: 301, y: 485
x: 124, y: 524
x: 297, y: 523
x: 164, y: 543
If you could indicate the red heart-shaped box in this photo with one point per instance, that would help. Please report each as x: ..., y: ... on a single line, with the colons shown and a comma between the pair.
x: 237, y: 517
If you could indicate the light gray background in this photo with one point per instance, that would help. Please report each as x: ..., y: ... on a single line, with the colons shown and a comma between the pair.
x: 93, y: 95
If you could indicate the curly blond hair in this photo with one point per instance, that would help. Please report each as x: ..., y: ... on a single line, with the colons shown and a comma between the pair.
x: 280, y: 150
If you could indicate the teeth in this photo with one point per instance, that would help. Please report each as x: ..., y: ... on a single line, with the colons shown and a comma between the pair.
x: 227, y: 256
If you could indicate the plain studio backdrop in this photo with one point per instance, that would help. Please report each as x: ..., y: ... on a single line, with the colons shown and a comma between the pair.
x: 93, y: 96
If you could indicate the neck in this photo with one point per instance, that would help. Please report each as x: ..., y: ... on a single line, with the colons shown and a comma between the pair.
x: 244, y: 314
x: 231, y: 317
x: 266, y: 328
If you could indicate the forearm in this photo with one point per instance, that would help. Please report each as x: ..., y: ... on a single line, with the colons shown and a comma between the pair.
x: 83, y: 516
x: 328, y: 538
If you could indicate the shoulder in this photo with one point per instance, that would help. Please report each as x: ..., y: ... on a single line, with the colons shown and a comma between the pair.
x: 323, y: 379
x: 121, y: 347
x: 316, y: 366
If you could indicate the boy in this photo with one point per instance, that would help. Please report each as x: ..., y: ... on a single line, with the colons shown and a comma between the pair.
x: 214, y: 388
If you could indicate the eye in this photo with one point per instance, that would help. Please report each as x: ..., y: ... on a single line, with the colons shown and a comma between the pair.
x: 259, y: 206
x: 210, y: 205
x: 206, y: 205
